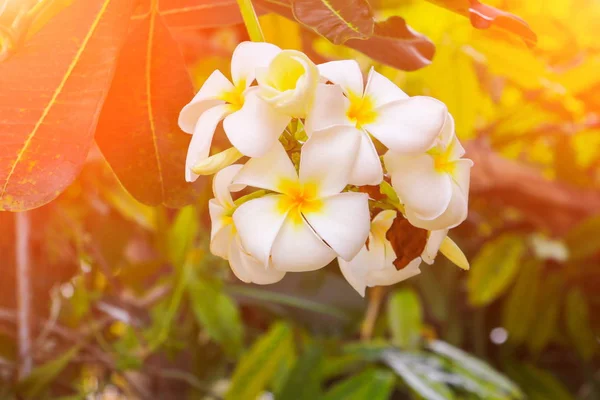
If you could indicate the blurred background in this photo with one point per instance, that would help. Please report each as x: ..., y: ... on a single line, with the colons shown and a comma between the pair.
x: 125, y: 301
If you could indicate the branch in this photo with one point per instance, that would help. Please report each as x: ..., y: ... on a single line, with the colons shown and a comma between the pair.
x: 23, y: 228
x: 547, y: 204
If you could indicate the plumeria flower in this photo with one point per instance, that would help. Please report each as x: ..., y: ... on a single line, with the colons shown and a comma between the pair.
x: 289, y: 83
x: 433, y: 186
x: 224, y: 239
x: 374, y: 264
x: 380, y: 109
x: 307, y: 222
x: 251, y: 125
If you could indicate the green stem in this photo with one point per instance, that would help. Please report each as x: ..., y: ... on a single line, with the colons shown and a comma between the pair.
x: 251, y: 20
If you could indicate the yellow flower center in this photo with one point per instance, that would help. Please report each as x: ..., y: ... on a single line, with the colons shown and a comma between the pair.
x: 298, y: 198
x: 361, y: 110
x: 284, y: 72
x: 442, y: 161
x: 234, y: 97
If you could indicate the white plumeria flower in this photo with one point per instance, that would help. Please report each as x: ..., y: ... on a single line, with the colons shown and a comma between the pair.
x: 374, y: 264
x: 251, y: 125
x: 224, y: 239
x: 433, y: 186
x: 403, y: 124
x: 308, y: 222
x: 289, y: 83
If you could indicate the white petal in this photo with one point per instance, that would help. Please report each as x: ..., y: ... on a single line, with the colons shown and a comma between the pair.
x: 410, y: 125
x: 248, y: 269
x: 420, y: 187
x: 199, y: 147
x: 221, y: 183
x: 345, y: 73
x: 380, y: 248
x: 221, y: 233
x: 255, y: 127
x: 367, y: 167
x: 382, y: 90
x: 342, y: 222
x: 329, y: 109
x: 290, y: 94
x: 453, y: 216
x: 434, y: 241
x: 219, y: 244
x: 355, y: 271
x: 207, y: 97
x: 391, y: 276
x: 258, y: 222
x: 248, y: 56
x: 268, y: 171
x: 297, y: 248
x: 328, y: 157
x: 462, y: 174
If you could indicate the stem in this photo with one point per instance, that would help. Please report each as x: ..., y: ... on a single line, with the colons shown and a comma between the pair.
x: 23, y: 228
x: 251, y: 20
x: 376, y: 296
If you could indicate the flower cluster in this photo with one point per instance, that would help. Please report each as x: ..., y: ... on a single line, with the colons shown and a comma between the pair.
x: 322, y: 148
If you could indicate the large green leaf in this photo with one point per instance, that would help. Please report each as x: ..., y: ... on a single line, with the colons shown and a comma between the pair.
x: 578, y: 324
x: 475, y: 367
x: 415, y: 378
x: 548, y: 312
x: 405, y: 318
x: 51, y: 92
x: 537, y: 383
x: 259, y: 364
x: 181, y: 235
x: 583, y: 240
x: 217, y: 313
x: 494, y: 268
x: 303, y: 381
x: 520, y: 306
x: 32, y: 386
x: 372, y: 384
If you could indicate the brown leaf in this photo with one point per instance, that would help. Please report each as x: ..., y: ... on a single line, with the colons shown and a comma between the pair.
x: 51, y: 92
x: 396, y: 44
x: 138, y: 132
x: 407, y: 241
x: 337, y: 20
x: 391, y: 42
x: 483, y: 16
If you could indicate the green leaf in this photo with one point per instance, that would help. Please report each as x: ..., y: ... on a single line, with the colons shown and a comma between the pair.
x: 583, y: 240
x: 372, y: 384
x: 548, y: 312
x: 520, y: 307
x: 303, y: 381
x: 259, y: 364
x: 538, y: 384
x: 42, y: 376
x: 181, y: 235
x: 217, y: 313
x: 494, y: 268
x: 416, y: 380
x: 474, y: 366
x: 405, y: 318
x: 578, y: 324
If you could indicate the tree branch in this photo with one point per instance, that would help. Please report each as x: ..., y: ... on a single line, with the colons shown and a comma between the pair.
x: 23, y: 228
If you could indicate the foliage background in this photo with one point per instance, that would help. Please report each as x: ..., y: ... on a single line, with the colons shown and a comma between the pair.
x: 127, y: 301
